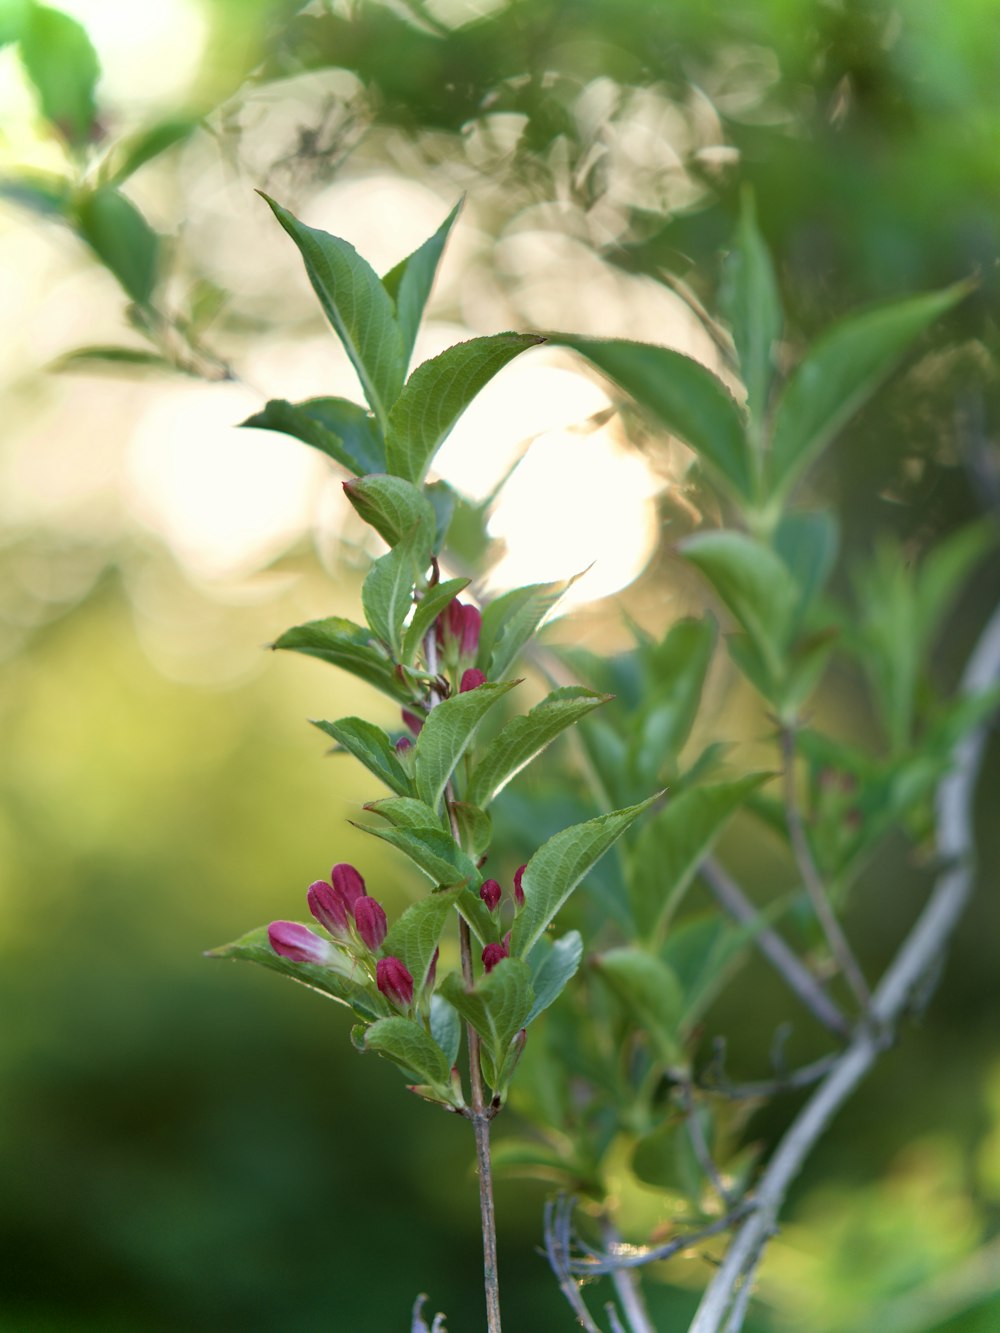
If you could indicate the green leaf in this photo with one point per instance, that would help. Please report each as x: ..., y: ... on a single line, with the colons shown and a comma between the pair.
x: 475, y: 828
x: 414, y: 936
x: 675, y: 671
x: 60, y: 60
x: 133, y: 152
x: 751, y: 303
x: 525, y: 737
x: 558, y: 867
x: 510, y: 620
x: 701, y: 952
x: 342, y: 430
x: 446, y: 735
x: 344, y: 981
x: 344, y: 644
x: 42, y: 192
x: 754, y: 583
x: 436, y: 395
x: 387, y: 592
x: 122, y: 239
x: 410, y: 282
x: 841, y: 372
x: 650, y: 992
x: 942, y: 572
x: 497, y: 1007
x: 357, y: 306
x: 436, y: 853
x: 426, y: 612
x: 553, y: 964
x: 446, y: 1027
x: 372, y: 746
x: 13, y: 15
x: 672, y: 845
x: 392, y: 506
x: 807, y: 542
x: 407, y: 1045
x: 444, y: 500
x: 684, y: 397
x: 404, y: 812
x: 120, y: 359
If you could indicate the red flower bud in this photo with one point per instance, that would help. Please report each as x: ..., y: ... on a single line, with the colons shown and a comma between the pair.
x: 468, y: 637
x: 491, y: 893
x: 394, y: 981
x: 493, y: 953
x: 412, y: 721
x: 371, y: 922
x: 298, y: 943
x: 329, y: 906
x: 347, y: 880
x: 471, y: 680
x: 432, y: 972
x: 518, y: 890
x: 404, y: 743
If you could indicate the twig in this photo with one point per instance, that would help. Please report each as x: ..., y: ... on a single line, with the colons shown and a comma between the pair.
x: 627, y: 1288
x: 633, y: 1256
x: 770, y: 1087
x: 835, y: 937
x: 700, y: 1146
x: 731, y: 898
x: 558, y: 1213
x: 917, y: 955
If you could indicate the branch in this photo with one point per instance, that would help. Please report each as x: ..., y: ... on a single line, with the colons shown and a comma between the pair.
x: 627, y: 1289
x: 917, y: 956
x: 558, y: 1228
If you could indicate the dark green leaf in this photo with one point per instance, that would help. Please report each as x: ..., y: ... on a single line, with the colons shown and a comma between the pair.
x: 524, y: 737
x: 446, y: 735
x: 414, y: 936
x: 497, y: 1007
x: 122, y: 239
x: 392, y: 506
x: 553, y: 964
x: 436, y: 853
x: 702, y: 953
x: 751, y: 303
x: 683, y: 396
x: 650, y: 992
x: 344, y: 644
x: 444, y: 500
x: 372, y: 746
x: 436, y: 395
x: 558, y: 867
x: 342, y: 430
x: 410, y: 282
x: 807, y: 542
x: 357, y: 306
x: 446, y: 1027
x: 404, y: 812
x: 407, y: 1045
x: 475, y: 828
x: 943, y: 570
x: 675, y: 673
x: 387, y: 592
x: 60, y: 60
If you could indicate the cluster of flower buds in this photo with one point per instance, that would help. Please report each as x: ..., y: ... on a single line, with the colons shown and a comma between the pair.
x: 457, y: 632
x: 345, y: 910
x: 491, y: 892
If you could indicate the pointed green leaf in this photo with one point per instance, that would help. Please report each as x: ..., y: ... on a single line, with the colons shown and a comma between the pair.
x: 342, y: 430
x: 650, y: 992
x: 444, y: 500
x: 404, y: 812
x: 60, y: 60
x: 387, y: 592
x: 118, y: 359
x: 436, y: 395
x: 134, y: 151
x: 426, y: 612
x: 524, y: 737
x: 670, y: 848
x: 755, y: 584
x: 407, y: 1045
x: 674, y: 671
x: 807, y: 542
x: 446, y: 1027
x: 510, y: 620
x: 372, y: 746
x: 42, y: 192
x: 751, y: 303
x: 342, y: 643
x: 414, y: 936
x: 344, y: 980
x: 497, y: 1007
x: 410, y: 282
x: 447, y: 733
x: 432, y: 849
x: 841, y: 372
x: 122, y: 239
x: 943, y: 570
x: 475, y: 828
x: 558, y: 867
x: 702, y: 953
x: 553, y: 964
x: 357, y: 306
x: 392, y: 506
x: 684, y: 397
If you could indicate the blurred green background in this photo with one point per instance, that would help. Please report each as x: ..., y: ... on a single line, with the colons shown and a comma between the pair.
x: 186, y: 1145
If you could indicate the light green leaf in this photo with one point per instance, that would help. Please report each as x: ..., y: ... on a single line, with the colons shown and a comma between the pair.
x: 407, y: 1045
x: 446, y: 1027
x: 122, y: 239
x: 342, y: 430
x: 410, y: 282
x: 372, y: 746
x: 510, y: 620
x: 524, y: 737
x: 475, y: 828
x: 702, y: 952
x: 675, y: 671
x: 342, y: 643
x: 841, y: 372
x: 672, y: 845
x: 755, y: 584
x: 42, y: 192
x: 344, y: 980
x: 357, y: 306
x: 404, y: 812
x: 558, y: 867
x: 60, y: 60
x: 392, y: 506
x: 497, y: 1007
x: 117, y: 359
x: 684, y: 397
x: 751, y: 303
x: 432, y: 849
x: 414, y: 936
x: 650, y: 992
x: 134, y: 151
x: 447, y: 733
x: 436, y: 395
x: 553, y: 964
x: 427, y: 611
x: 387, y: 592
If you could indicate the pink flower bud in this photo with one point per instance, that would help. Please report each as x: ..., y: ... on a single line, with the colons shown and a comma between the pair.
x: 471, y: 680
x: 394, y: 981
x: 329, y: 906
x: 518, y: 890
x: 403, y: 744
x: 412, y: 721
x: 370, y: 921
x: 468, y: 638
x: 298, y: 943
x: 493, y: 953
x: 348, y: 882
x: 491, y: 893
